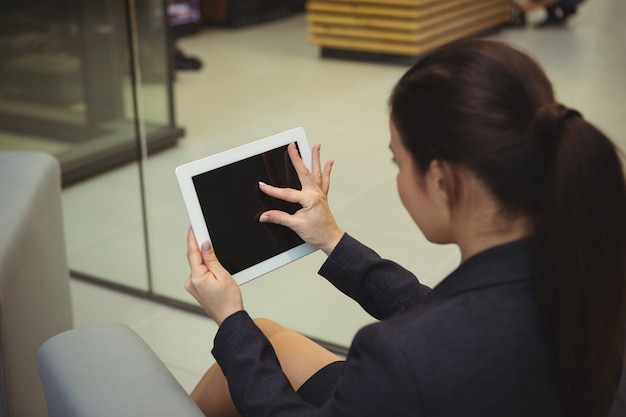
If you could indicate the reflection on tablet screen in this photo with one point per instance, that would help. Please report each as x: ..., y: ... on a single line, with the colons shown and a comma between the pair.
x: 232, y: 203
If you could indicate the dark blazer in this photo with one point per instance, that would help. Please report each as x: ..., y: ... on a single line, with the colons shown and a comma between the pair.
x: 473, y: 346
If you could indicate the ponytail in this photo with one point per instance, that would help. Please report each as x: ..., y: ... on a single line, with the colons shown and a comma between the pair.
x: 581, y: 249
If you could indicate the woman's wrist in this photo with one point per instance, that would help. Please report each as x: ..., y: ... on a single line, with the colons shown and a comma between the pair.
x: 330, y: 245
x: 224, y: 316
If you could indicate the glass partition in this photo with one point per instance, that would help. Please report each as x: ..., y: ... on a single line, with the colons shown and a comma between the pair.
x: 65, y: 82
x: 89, y: 82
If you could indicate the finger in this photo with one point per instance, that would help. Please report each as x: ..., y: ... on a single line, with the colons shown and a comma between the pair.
x: 193, y: 252
x: 287, y: 194
x: 278, y: 217
x: 328, y: 168
x: 292, y: 176
x: 210, y: 259
x: 213, y: 264
x: 315, y: 160
x: 303, y: 172
x: 191, y: 239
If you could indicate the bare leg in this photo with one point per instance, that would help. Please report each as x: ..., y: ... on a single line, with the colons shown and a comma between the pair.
x: 212, y: 395
x: 299, y: 358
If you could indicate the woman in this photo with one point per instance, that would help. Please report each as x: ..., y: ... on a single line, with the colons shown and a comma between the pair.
x: 531, y: 322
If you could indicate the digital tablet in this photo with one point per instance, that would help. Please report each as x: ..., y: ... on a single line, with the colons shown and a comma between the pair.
x: 223, y: 200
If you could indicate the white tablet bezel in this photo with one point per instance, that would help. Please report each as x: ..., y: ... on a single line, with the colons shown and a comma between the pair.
x: 186, y: 172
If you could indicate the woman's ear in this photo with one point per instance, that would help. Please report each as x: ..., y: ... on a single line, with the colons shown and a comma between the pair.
x: 441, y: 182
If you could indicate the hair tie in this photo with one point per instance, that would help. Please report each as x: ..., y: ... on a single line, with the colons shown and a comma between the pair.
x: 567, y: 113
x: 549, y: 118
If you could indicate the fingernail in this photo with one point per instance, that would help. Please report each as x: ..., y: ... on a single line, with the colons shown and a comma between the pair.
x: 264, y: 219
x: 261, y: 183
x: 206, y: 246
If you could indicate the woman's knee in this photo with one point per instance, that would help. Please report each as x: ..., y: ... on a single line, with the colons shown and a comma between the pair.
x: 263, y: 322
x: 299, y: 356
x: 269, y: 327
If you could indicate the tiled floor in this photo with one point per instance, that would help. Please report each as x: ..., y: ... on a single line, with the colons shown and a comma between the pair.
x: 264, y: 79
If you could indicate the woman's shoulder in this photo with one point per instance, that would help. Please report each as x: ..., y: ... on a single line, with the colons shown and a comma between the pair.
x: 465, y: 316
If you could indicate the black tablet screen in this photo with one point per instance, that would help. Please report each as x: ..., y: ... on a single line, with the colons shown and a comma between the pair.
x: 232, y: 203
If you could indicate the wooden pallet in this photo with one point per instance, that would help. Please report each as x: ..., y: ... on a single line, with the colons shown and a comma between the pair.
x: 400, y: 27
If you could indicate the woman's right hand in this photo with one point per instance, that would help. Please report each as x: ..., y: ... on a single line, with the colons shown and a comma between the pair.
x: 314, y: 222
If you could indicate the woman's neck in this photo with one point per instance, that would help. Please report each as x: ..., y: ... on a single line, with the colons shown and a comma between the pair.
x: 471, y: 243
x: 481, y: 223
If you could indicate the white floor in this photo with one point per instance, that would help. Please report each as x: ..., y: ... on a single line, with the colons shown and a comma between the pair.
x: 264, y: 79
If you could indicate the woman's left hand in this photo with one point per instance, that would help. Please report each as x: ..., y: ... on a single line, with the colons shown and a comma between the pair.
x: 209, y: 283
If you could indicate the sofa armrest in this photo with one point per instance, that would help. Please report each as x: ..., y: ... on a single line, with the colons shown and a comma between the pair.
x: 108, y: 370
x: 35, y: 299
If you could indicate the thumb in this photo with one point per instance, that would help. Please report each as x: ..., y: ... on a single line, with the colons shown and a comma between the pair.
x: 277, y: 217
x: 209, y: 258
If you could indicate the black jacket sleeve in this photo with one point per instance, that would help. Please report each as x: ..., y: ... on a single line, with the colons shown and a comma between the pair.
x: 383, y: 288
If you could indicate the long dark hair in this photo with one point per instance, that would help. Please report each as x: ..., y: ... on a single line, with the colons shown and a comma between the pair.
x: 490, y: 108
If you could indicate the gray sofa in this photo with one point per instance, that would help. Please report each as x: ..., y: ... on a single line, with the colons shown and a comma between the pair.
x: 105, y: 370
x: 34, y: 278
x: 100, y: 370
